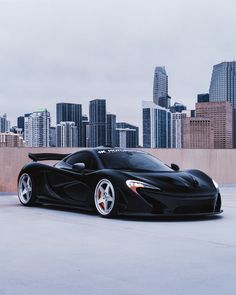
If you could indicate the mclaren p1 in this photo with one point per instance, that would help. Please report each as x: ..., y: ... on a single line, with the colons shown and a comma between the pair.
x: 116, y: 181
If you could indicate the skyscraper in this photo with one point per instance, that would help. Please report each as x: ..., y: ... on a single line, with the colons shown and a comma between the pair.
x: 111, y: 130
x: 177, y: 129
x: 4, y: 124
x: 124, y: 125
x: 71, y: 112
x: 52, y: 137
x: 203, y: 97
x: 156, y: 126
x: 160, y: 88
x: 85, y: 124
x: 66, y: 134
x: 198, y: 133
x: 220, y: 114
x: 223, y: 88
x: 177, y: 107
x: 126, y: 137
x: 21, y: 123
x: 97, y: 122
x: 37, y: 128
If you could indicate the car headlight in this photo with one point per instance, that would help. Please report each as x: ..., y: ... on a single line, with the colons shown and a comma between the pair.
x: 135, y: 184
x: 215, y: 184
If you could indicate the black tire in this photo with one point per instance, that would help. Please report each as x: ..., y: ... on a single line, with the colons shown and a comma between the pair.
x: 25, y: 188
x: 106, y: 198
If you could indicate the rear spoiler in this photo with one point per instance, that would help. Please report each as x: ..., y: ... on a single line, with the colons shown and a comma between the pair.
x: 47, y: 157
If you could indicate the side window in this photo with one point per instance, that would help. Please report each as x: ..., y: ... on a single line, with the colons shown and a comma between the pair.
x: 75, y: 158
x: 83, y: 157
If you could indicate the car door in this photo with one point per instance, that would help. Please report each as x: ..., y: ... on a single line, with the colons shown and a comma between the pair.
x: 70, y: 185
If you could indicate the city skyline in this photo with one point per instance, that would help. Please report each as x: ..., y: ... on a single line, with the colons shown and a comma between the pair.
x: 85, y: 110
x: 161, y: 127
x: 72, y: 128
x: 78, y: 60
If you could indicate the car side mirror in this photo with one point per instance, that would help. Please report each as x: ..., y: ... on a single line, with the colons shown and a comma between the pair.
x: 79, y: 167
x: 175, y: 167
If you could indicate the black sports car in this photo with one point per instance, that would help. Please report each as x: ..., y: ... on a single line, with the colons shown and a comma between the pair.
x: 116, y: 181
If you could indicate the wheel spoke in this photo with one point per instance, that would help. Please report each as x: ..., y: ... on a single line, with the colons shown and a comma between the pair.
x: 100, y: 200
x: 109, y: 199
x: 27, y: 195
x: 102, y: 190
x: 106, y: 206
x: 28, y: 181
x: 107, y: 189
x: 24, y: 191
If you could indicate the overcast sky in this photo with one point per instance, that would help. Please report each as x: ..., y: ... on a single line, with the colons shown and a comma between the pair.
x: 75, y: 51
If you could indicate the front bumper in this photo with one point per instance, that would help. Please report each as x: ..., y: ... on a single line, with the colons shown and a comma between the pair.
x: 191, y: 204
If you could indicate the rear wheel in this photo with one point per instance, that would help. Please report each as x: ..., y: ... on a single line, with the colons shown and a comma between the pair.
x: 105, y: 198
x: 25, y: 190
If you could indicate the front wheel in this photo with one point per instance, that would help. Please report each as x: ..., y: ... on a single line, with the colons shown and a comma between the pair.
x: 25, y: 190
x: 105, y: 198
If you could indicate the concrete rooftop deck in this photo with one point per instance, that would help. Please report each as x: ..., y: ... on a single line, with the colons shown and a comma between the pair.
x: 51, y: 251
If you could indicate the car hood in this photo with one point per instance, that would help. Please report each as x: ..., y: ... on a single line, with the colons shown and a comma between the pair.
x: 176, y: 181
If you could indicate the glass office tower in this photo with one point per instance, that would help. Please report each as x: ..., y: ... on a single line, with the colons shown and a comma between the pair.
x: 71, y: 112
x: 160, y: 88
x: 223, y: 88
x: 97, y: 122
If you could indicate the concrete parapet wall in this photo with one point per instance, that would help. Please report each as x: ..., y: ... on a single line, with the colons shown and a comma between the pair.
x: 219, y: 164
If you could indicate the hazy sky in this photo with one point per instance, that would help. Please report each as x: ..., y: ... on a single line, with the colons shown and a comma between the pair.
x: 75, y: 51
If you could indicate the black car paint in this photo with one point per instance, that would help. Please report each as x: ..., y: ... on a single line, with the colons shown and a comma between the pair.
x: 61, y: 184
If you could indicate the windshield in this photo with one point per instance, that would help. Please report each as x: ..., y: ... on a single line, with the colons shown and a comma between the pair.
x: 131, y: 160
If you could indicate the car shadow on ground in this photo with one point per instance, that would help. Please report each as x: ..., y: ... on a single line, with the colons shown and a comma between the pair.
x: 171, y: 218
x: 131, y: 218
